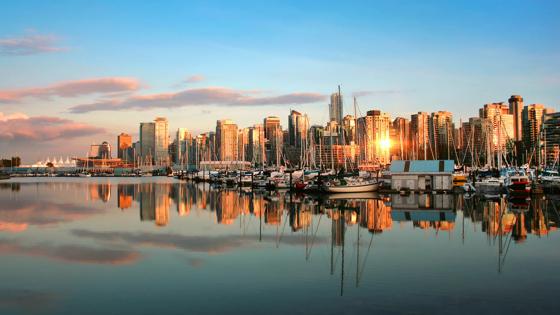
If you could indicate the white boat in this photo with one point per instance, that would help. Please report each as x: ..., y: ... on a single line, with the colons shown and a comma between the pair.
x: 351, y: 186
x: 84, y: 175
x: 489, y: 186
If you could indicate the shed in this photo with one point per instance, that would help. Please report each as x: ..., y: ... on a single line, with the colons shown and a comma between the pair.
x: 422, y: 175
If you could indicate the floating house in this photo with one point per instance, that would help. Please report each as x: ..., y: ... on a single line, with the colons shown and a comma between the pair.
x: 422, y: 175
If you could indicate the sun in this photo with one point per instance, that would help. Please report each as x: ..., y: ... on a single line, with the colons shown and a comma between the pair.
x: 385, y: 144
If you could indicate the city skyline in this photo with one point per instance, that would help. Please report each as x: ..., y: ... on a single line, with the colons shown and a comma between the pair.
x: 62, y: 87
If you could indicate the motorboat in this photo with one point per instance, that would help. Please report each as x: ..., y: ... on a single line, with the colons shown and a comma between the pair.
x: 489, y: 186
x: 517, y: 182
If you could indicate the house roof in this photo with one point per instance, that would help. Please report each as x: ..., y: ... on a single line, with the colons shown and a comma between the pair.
x: 422, y: 166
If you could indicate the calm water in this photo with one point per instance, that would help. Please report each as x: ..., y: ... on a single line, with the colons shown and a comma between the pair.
x: 160, y: 246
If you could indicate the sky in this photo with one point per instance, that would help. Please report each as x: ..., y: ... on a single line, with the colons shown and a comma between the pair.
x: 73, y: 73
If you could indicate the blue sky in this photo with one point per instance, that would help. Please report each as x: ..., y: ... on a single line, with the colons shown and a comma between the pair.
x: 398, y: 56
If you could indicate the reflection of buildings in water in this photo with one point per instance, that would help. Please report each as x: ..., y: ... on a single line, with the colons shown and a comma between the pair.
x: 183, y: 199
x: 300, y: 217
x: 273, y: 212
x: 496, y: 219
x: 425, y: 210
x: 338, y: 227
x: 125, y: 195
x: 376, y: 215
x: 228, y: 206
x: 99, y: 191
x: 155, y: 203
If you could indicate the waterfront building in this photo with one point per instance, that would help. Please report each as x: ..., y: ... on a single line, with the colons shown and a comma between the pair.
x: 183, y: 141
x: 551, y: 136
x: 147, y: 142
x: 336, y: 107
x: 373, y: 133
x: 422, y: 175
x: 516, y: 110
x: 226, y: 140
x: 441, y: 135
x: 532, y: 122
x: 501, y: 124
x: 400, y: 138
x: 124, y: 145
x: 256, y: 147
x: 273, y: 140
x: 243, y: 145
x: 161, y: 141
x: 420, y: 136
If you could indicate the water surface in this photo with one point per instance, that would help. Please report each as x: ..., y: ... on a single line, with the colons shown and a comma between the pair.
x: 161, y: 246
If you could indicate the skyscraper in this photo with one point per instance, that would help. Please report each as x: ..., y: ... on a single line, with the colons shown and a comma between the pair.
x: 124, y: 145
x: 298, y: 126
x: 420, y: 136
x: 183, y: 140
x: 532, y: 116
x: 501, y: 123
x: 401, y: 138
x: 147, y: 141
x: 161, y: 142
x: 441, y: 134
x: 273, y: 139
x: 336, y: 107
x: 374, y: 137
x: 256, y: 149
x: 516, y: 109
x: 226, y: 140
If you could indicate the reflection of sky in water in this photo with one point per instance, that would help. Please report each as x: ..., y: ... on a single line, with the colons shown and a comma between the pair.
x: 110, y: 246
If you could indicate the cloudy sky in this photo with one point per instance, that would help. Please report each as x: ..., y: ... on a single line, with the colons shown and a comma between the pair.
x: 74, y: 73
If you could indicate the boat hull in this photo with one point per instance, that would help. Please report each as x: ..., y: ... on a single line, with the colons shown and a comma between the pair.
x: 352, y: 188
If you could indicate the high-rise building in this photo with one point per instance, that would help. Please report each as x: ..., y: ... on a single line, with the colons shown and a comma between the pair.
x: 161, y: 142
x: 551, y: 135
x: 502, y: 124
x: 273, y: 139
x: 183, y: 141
x: 516, y: 110
x: 256, y: 149
x: 401, y: 138
x: 532, y: 122
x: 349, y: 129
x: 243, y: 145
x: 420, y: 136
x: 147, y: 142
x: 124, y: 144
x: 226, y: 140
x: 298, y: 126
x: 441, y: 135
x: 374, y: 137
x: 336, y: 107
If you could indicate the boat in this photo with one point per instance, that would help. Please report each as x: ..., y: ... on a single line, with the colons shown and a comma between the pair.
x: 517, y: 182
x: 84, y: 175
x: 489, y: 186
x: 4, y: 176
x: 351, y: 186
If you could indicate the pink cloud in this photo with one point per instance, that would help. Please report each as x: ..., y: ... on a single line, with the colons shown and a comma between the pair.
x: 73, y: 88
x: 195, y: 78
x: 29, y: 45
x: 42, y: 128
x: 219, y: 96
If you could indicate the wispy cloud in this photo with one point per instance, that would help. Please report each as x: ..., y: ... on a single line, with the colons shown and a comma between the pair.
x: 374, y: 92
x: 30, y: 44
x: 73, y: 88
x: 195, y: 78
x: 42, y: 128
x: 219, y: 96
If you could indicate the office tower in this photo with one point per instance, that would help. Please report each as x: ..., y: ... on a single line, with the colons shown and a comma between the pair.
x: 226, y: 140
x: 401, y: 138
x: 516, y: 109
x: 124, y: 145
x: 349, y: 128
x: 501, y: 122
x: 161, y: 142
x: 147, y: 142
x: 420, y: 136
x: 243, y: 145
x: 298, y: 126
x: 374, y: 137
x: 551, y: 135
x: 336, y: 107
x: 100, y: 151
x: 256, y: 149
x: 182, y: 140
x: 532, y: 117
x: 441, y: 135
x: 273, y: 139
